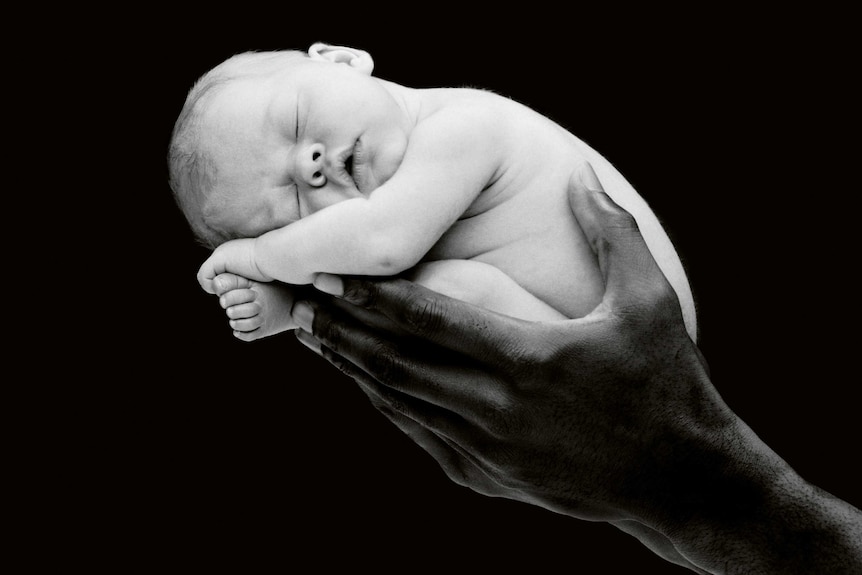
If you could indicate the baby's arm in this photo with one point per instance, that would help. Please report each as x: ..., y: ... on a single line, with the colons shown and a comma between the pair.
x: 450, y: 159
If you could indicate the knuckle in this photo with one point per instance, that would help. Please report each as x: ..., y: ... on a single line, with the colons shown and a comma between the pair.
x: 658, y: 311
x: 504, y: 417
x: 423, y: 313
x: 385, y: 363
x: 460, y: 472
x: 622, y: 220
x: 505, y: 465
x: 665, y: 300
x: 327, y: 331
x: 398, y: 405
x: 615, y: 216
x: 502, y: 423
x: 360, y: 292
x: 337, y: 361
x: 531, y: 355
x: 458, y: 476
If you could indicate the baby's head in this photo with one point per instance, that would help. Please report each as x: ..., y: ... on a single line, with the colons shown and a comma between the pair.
x: 266, y: 138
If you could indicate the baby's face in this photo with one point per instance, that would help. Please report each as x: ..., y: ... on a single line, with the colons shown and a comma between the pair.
x: 311, y: 135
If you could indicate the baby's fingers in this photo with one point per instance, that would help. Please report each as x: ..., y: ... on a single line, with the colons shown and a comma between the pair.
x: 227, y: 281
x: 237, y: 297
x: 206, y: 276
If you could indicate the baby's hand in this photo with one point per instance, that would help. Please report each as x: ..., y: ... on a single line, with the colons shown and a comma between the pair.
x: 235, y: 257
x: 254, y: 310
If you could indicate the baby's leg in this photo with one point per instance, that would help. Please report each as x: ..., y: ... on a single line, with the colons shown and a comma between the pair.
x: 255, y: 310
x: 483, y: 285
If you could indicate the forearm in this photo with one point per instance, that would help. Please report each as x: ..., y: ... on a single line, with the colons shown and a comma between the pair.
x: 349, y: 238
x: 755, y: 514
x: 802, y: 531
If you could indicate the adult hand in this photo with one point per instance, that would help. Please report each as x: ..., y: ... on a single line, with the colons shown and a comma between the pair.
x: 609, y: 417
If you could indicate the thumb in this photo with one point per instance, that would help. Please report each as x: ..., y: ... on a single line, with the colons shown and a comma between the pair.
x: 226, y: 282
x: 624, y: 259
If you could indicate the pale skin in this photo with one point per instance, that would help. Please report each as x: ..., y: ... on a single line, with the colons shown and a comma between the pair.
x: 328, y: 169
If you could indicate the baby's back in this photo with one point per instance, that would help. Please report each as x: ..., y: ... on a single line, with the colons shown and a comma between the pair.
x: 522, y: 222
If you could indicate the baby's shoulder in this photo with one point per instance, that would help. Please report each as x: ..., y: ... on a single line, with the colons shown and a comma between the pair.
x: 471, y: 105
x: 460, y: 124
x: 472, y: 114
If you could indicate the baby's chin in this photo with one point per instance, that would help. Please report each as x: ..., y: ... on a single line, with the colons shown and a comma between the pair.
x: 371, y: 181
x: 382, y: 166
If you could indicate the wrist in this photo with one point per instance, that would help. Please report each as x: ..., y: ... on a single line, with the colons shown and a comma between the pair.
x: 256, y: 260
x: 757, y: 515
x: 731, y: 519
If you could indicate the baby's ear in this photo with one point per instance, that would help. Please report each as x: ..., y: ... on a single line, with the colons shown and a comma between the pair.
x: 353, y: 57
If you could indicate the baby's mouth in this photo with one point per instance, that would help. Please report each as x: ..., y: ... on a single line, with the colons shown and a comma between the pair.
x: 355, y: 166
x: 348, y: 165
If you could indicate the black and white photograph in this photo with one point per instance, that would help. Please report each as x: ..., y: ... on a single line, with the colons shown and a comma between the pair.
x: 415, y: 295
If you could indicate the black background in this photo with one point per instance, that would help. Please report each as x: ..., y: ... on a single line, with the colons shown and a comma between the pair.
x: 195, y: 450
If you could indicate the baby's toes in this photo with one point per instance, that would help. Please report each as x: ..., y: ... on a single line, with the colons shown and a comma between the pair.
x: 247, y: 335
x: 245, y: 317
x: 247, y: 324
x: 243, y: 311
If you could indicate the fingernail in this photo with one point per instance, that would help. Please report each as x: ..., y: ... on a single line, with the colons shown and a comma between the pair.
x: 328, y: 283
x: 589, y: 178
x: 303, y: 315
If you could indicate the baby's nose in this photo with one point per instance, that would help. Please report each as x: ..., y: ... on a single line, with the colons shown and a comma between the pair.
x: 311, y: 162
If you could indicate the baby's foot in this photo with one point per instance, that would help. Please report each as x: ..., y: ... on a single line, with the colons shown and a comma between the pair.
x: 255, y: 310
